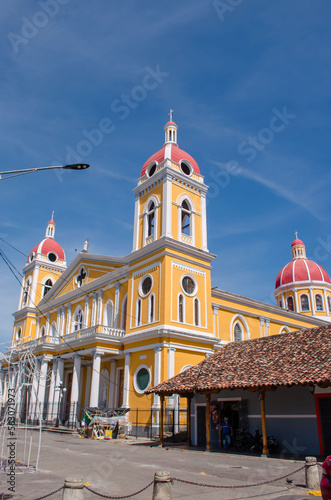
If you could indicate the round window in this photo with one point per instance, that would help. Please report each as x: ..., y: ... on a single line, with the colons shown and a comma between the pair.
x: 52, y: 257
x: 31, y: 257
x: 146, y: 285
x: 185, y: 168
x: 142, y: 379
x: 188, y: 285
x: 151, y: 170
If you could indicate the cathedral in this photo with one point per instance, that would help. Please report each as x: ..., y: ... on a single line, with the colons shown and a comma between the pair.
x: 107, y: 328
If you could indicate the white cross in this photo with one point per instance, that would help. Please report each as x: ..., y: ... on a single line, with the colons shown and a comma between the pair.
x: 296, y: 234
x: 52, y: 215
x: 170, y: 114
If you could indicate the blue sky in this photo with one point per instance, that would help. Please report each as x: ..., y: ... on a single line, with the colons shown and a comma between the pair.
x: 250, y: 86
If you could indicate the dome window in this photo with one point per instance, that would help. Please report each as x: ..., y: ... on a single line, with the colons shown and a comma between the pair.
x: 329, y: 303
x: 304, y: 302
x: 290, y: 305
x: 32, y: 256
x: 185, y: 167
x: 319, y: 302
x: 52, y: 257
x: 152, y: 169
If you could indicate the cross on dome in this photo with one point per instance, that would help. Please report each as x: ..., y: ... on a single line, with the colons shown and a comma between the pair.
x: 170, y: 114
x: 296, y: 234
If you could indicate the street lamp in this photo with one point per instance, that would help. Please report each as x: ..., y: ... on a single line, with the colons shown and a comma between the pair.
x: 61, y: 390
x: 15, y: 173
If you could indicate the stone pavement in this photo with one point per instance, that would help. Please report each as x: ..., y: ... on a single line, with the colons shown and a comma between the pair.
x: 121, y: 467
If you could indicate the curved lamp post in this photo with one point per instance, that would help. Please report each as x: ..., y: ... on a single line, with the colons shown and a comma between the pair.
x: 13, y: 173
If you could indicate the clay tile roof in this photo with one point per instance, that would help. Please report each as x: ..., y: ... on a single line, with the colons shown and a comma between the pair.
x: 296, y: 358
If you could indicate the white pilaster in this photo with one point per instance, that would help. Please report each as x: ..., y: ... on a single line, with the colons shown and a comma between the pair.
x: 95, y: 385
x: 48, y: 324
x: 157, y: 374
x: 37, y: 328
x: 296, y: 300
x: 51, y: 410
x: 42, y: 384
x: 126, y: 380
x: 59, y: 378
x: 267, y: 327
x: 117, y: 304
x: 34, y: 390
x: 312, y: 301
x: 326, y: 308
x: 136, y: 223
x: 99, y: 315
x: 86, y: 310
x: 94, y: 309
x: 166, y: 207
x: 171, y: 373
x: 68, y: 319
x: 203, y: 222
x: 112, y: 385
x: 261, y: 327
x: 32, y: 292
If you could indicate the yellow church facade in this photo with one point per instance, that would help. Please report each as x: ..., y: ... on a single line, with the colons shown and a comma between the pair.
x: 107, y: 328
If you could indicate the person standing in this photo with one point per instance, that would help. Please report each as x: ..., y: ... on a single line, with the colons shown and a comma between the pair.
x: 226, y: 433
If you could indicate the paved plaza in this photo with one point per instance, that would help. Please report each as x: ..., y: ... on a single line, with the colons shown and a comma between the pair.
x: 121, y: 467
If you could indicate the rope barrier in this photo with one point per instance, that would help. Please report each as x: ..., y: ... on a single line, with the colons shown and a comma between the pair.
x: 125, y: 496
x: 236, y: 486
x: 49, y: 494
x: 102, y: 495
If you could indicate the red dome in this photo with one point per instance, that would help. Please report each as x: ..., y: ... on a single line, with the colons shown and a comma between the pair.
x: 52, y: 222
x: 301, y: 270
x: 46, y: 246
x: 174, y: 153
x: 170, y: 123
x: 297, y: 242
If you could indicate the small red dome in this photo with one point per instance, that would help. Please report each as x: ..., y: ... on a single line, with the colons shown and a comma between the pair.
x: 171, y: 123
x: 51, y: 222
x: 46, y: 246
x: 301, y: 270
x: 176, y: 155
x: 297, y: 242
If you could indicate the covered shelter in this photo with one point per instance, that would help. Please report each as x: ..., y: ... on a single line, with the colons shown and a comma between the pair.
x: 295, y: 359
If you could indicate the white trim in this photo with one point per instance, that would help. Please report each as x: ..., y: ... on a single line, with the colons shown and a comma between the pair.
x: 193, y: 294
x: 151, y: 319
x: 167, y: 206
x: 135, y: 385
x: 246, y: 332
x: 138, y: 317
x: 180, y: 294
x: 136, y: 223
x: 197, y: 323
x: 140, y: 286
x: 191, y: 235
x: 105, y: 314
x: 284, y: 327
x: 153, y: 198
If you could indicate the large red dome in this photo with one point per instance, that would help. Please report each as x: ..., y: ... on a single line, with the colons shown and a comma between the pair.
x: 47, y: 246
x: 174, y: 153
x: 301, y: 269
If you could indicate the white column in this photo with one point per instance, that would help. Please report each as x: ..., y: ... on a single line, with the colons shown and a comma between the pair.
x: 42, y: 384
x: 136, y: 223
x: 261, y: 327
x: 94, y: 396
x: 59, y: 321
x: 86, y: 310
x: 203, y: 222
x: 326, y: 308
x: 166, y: 207
x: 59, y: 378
x: 284, y: 306
x: 267, y: 326
x: 126, y: 380
x: 215, y: 315
x: 75, y: 379
x: 34, y: 390
x: 112, y: 385
x: 63, y: 314
x: 88, y: 386
x: 157, y: 374
x: 117, y: 304
x: 51, y: 410
x: 171, y: 372
x: 68, y: 319
x: 99, y: 315
x: 296, y: 300
x: 312, y: 301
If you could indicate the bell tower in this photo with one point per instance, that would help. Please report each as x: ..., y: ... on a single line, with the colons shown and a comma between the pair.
x: 170, y: 197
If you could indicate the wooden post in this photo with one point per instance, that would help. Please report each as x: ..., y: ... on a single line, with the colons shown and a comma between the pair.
x: 189, y: 442
x: 265, y: 450
x: 161, y: 420
x: 208, y: 443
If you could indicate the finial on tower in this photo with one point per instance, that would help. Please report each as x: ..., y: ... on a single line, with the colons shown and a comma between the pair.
x: 170, y: 114
x: 52, y: 218
x: 296, y: 234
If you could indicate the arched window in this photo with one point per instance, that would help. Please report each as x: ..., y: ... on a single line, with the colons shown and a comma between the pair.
x: 26, y: 291
x: 181, y: 308
x: 124, y: 312
x: 186, y: 218
x: 151, y: 307
x: 319, y: 302
x: 304, y: 302
x: 329, y: 303
x: 47, y: 286
x: 138, y: 312
x: 237, y: 332
x: 290, y: 304
x: 151, y: 219
x: 196, y: 312
x: 19, y: 334
x: 108, y: 313
x: 78, y: 320
x: 42, y: 331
